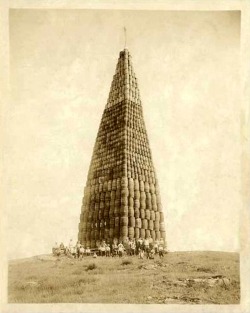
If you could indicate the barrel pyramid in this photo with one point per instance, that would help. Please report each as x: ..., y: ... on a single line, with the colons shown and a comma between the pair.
x: 121, y: 197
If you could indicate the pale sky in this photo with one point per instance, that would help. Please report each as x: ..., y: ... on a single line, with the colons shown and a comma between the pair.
x: 62, y: 65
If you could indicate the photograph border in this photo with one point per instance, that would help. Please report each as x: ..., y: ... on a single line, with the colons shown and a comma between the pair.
x: 171, y: 5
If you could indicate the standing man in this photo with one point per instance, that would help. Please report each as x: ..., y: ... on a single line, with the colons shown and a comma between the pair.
x: 78, y: 246
x: 120, y: 249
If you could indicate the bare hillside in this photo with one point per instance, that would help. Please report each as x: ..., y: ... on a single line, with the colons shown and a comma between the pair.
x: 181, y: 277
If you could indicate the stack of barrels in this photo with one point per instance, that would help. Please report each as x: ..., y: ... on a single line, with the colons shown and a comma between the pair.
x: 121, y: 197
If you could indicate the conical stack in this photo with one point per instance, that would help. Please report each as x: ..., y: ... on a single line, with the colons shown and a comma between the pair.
x: 121, y: 198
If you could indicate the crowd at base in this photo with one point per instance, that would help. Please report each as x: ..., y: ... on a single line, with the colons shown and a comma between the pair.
x: 147, y: 248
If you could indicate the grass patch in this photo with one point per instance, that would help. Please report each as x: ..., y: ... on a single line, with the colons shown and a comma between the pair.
x: 91, y: 266
x: 127, y: 262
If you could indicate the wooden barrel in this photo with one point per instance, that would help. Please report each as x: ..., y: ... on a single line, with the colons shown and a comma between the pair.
x: 137, y: 203
x: 136, y: 184
x: 116, y: 211
x: 124, y: 192
x: 158, y: 198
x: 142, y: 213
x: 112, y: 222
x: 116, y: 232
x: 131, y: 232
x: 137, y: 233
x: 117, y: 201
x: 124, y: 182
x: 161, y: 217
x: 153, y: 199
x: 124, y: 210
x: 117, y: 193
x: 163, y: 235
x: 124, y: 221
x: 105, y: 186
x: 146, y: 186
x: 100, y: 187
x: 131, y: 201
x: 136, y: 213
x: 152, y: 215
x: 137, y: 194
x: 131, y: 211
x: 106, y: 213
x: 109, y: 187
x: 138, y: 223
x: 147, y: 214
x: 141, y: 185
x: 131, y: 193
x: 152, y: 187
x: 101, y: 233
x: 100, y: 215
x: 147, y: 233
x: 106, y: 233
x: 142, y: 233
x: 144, y: 223
x: 111, y: 232
x: 151, y: 224
x: 117, y: 222
x: 154, y: 207
x: 131, y: 184
x: 124, y: 200
x: 118, y: 183
x: 112, y: 195
x: 162, y: 226
x: 132, y: 221
x: 124, y: 231
x: 157, y: 235
x: 157, y: 216
x: 143, y: 204
x: 143, y: 196
x: 152, y: 233
x: 113, y: 184
x: 111, y: 212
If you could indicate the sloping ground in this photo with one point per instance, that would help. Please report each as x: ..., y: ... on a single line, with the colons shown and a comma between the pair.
x: 181, y: 277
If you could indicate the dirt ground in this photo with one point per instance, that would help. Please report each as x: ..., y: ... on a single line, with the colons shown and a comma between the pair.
x: 181, y: 277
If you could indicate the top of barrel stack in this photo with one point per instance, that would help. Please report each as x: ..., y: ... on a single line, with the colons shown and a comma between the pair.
x: 125, y: 53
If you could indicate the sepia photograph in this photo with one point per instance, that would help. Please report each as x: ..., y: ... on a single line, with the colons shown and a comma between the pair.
x: 122, y: 157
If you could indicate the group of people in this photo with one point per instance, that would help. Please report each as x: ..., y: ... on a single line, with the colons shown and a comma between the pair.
x: 146, y: 247
x: 76, y: 251
x: 141, y: 247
